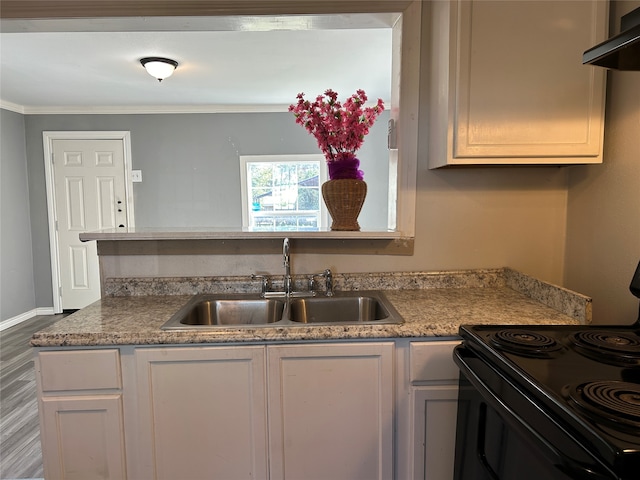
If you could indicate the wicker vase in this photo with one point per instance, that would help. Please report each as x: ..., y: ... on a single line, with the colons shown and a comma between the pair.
x: 344, y: 199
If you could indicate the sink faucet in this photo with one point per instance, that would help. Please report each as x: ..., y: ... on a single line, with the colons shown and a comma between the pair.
x: 264, y: 283
x: 328, y: 282
x: 287, y: 267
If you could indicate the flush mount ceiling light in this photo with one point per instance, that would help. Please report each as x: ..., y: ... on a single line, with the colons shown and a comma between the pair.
x: 159, y: 67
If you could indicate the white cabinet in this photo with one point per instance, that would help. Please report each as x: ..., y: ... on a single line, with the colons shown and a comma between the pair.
x: 202, y: 413
x: 338, y: 410
x: 331, y: 411
x: 427, y: 409
x: 81, y: 414
x: 507, y: 84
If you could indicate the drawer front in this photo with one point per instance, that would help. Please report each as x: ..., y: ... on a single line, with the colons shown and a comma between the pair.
x: 432, y: 361
x: 80, y: 370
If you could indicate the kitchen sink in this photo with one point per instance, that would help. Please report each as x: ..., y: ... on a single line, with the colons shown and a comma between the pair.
x: 205, y: 312
x: 351, y: 309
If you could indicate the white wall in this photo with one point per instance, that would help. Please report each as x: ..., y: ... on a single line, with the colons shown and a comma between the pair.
x: 603, y: 241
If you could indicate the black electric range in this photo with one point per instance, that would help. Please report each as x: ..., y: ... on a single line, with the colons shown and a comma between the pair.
x: 552, y: 402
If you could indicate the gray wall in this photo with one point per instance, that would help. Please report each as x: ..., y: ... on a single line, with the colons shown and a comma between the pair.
x: 603, y: 232
x: 190, y: 168
x: 17, y: 289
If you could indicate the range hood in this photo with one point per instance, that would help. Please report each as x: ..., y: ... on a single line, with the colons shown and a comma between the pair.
x: 621, y: 52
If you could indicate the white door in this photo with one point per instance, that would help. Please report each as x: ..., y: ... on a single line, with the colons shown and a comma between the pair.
x: 89, y: 193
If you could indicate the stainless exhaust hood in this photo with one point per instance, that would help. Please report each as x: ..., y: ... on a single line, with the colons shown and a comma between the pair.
x: 621, y: 52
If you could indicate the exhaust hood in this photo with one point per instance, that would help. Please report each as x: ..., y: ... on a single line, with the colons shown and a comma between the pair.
x: 621, y: 52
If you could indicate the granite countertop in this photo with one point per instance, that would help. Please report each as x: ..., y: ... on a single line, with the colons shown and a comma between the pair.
x: 212, y: 233
x: 432, y: 304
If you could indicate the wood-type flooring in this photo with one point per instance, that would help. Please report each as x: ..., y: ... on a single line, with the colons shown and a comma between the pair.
x: 20, y: 451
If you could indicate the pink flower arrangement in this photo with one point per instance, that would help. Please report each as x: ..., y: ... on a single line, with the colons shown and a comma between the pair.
x: 338, y: 128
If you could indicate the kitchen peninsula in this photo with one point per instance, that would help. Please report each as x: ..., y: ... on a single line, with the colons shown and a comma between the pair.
x: 271, y: 402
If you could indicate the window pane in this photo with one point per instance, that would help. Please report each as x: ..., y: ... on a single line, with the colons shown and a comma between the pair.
x: 308, y: 199
x: 261, y: 175
x: 285, y: 198
x: 285, y: 174
x: 309, y: 174
x: 262, y: 199
x: 263, y: 223
x: 283, y: 194
x: 284, y: 223
x: 308, y: 223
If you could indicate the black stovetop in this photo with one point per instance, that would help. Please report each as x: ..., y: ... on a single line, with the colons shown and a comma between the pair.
x: 586, y: 377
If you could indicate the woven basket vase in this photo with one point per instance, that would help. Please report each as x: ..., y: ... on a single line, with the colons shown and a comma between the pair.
x: 344, y: 199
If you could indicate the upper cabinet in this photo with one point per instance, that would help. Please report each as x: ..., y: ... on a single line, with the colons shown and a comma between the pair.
x: 507, y: 85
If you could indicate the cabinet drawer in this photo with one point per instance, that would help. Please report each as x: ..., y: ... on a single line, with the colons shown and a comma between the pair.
x: 431, y: 361
x: 80, y: 370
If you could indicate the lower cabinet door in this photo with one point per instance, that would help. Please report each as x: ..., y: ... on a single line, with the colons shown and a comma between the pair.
x: 331, y: 411
x: 434, y: 442
x: 83, y: 437
x: 202, y: 413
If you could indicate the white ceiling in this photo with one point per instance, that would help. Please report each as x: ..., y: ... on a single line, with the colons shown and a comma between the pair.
x: 225, y: 63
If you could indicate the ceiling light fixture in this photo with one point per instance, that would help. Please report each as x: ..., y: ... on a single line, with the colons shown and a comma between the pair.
x: 159, y: 67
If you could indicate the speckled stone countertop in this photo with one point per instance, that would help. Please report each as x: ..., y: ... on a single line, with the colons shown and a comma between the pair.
x: 432, y: 304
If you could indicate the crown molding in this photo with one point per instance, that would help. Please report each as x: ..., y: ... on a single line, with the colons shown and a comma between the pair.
x: 13, y: 107
x: 141, y: 109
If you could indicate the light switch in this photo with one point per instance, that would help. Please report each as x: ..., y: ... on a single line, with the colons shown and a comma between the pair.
x: 136, y: 176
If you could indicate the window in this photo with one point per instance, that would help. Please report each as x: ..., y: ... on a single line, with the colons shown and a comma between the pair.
x: 282, y: 192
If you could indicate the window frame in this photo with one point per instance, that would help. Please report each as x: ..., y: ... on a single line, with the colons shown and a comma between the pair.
x: 245, y: 189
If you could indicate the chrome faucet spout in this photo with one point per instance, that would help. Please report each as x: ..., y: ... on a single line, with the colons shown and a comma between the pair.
x: 287, y: 266
x: 285, y: 252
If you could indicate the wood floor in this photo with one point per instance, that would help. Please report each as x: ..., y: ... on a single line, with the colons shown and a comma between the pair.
x: 20, y: 453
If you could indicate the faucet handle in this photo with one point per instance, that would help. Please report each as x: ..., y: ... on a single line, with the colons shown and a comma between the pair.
x: 264, y: 283
x: 328, y: 281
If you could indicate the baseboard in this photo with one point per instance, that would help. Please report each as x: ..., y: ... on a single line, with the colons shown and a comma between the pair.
x: 23, y: 317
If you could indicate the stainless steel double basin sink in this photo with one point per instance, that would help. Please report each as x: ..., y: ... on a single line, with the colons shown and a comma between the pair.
x: 204, y: 312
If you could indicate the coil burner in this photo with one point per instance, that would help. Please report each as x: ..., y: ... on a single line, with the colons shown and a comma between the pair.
x: 617, y: 348
x: 610, y: 401
x: 526, y: 343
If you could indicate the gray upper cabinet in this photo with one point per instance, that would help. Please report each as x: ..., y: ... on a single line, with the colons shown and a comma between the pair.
x: 507, y: 85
